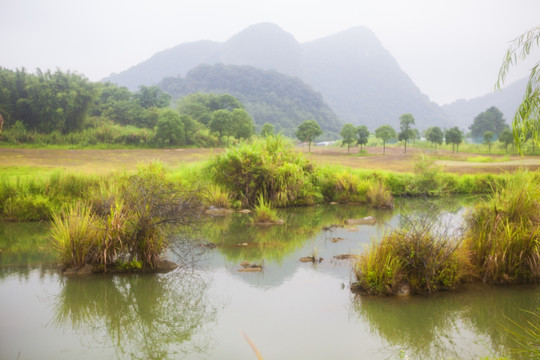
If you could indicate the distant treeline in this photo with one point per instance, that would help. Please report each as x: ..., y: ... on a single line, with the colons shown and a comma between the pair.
x: 66, y: 108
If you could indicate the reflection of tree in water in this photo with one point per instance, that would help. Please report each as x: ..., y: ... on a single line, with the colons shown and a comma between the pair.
x: 142, y: 316
x: 425, y: 327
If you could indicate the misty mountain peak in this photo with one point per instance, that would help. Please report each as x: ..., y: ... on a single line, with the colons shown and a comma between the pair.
x: 263, y: 45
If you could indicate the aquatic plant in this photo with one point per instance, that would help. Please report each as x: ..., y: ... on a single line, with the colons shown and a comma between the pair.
x: 503, y: 233
x: 264, y: 213
x: 74, y: 232
x: 422, y: 255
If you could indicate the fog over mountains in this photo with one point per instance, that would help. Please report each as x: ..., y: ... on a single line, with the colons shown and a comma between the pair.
x: 356, y: 76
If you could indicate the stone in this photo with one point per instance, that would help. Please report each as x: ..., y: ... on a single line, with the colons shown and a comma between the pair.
x: 87, y: 269
x: 251, y: 269
x: 369, y: 220
x: 213, y: 211
x: 346, y: 257
x: 165, y: 266
x: 337, y: 239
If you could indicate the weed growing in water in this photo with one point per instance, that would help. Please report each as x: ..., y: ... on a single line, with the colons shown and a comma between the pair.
x: 503, y: 233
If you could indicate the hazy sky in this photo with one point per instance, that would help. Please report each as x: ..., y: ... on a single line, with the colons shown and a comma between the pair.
x: 450, y: 49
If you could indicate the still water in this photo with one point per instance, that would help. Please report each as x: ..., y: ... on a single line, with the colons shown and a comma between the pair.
x: 206, y: 309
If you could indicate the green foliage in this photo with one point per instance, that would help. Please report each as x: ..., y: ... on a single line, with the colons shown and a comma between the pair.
x: 308, y: 131
x: 218, y: 197
x: 267, y: 130
x: 506, y: 138
x: 263, y: 212
x: 268, y: 96
x: 379, y: 197
x: 133, y: 229
x: 488, y: 139
x: 342, y: 184
x: 453, y: 136
x: 434, y: 135
x: 406, y: 133
x: 489, y: 120
x: 349, y: 135
x: 74, y: 232
x: 363, y: 135
x: 385, y: 133
x: 526, y: 120
x: 170, y: 129
x: 426, y: 259
x: 267, y: 167
x: 503, y: 232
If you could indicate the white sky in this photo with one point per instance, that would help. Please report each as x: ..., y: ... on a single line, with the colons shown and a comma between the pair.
x: 451, y: 49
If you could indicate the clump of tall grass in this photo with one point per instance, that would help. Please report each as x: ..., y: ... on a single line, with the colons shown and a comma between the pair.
x: 74, y: 232
x: 133, y: 229
x: 342, y: 185
x: 265, y: 166
x: 378, y: 196
x: 264, y: 213
x: 217, y: 196
x: 420, y: 256
x: 503, y: 233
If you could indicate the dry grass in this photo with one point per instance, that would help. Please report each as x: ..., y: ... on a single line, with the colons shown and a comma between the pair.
x: 106, y: 161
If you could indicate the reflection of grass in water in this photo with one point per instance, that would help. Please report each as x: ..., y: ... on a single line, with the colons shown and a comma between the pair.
x: 424, y: 325
x: 24, y: 243
x: 146, y: 316
x: 274, y: 243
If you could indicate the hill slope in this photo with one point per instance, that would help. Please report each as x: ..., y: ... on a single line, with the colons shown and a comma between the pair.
x: 268, y: 96
x: 356, y: 76
x: 463, y: 112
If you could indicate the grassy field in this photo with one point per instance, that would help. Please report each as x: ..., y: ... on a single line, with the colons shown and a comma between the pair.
x: 20, y: 162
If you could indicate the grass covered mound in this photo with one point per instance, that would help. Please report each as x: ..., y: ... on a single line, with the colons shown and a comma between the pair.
x: 267, y: 167
x: 503, y: 233
x: 124, y: 225
x: 500, y: 244
x: 421, y: 257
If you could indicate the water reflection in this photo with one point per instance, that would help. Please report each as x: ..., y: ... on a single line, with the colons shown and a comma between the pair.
x: 141, y: 316
x: 430, y: 327
x: 238, y: 239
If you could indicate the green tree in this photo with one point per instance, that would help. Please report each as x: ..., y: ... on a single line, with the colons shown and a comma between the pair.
x: 169, y: 128
x: 435, y: 135
x: 152, y: 96
x: 488, y: 139
x: 267, y: 130
x: 363, y: 135
x: 454, y: 136
x: 200, y: 106
x: 385, y: 133
x: 308, y: 131
x: 489, y: 120
x: 242, y: 124
x: 506, y: 138
x: 406, y: 133
x: 348, y: 133
x: 221, y: 123
x: 527, y: 118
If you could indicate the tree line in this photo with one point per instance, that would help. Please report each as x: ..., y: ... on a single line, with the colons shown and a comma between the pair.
x: 63, y: 103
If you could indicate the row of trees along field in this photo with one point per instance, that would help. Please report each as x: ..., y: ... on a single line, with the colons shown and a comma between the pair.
x: 63, y: 107
x: 359, y: 135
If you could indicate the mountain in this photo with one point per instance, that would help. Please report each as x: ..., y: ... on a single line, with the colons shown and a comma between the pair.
x: 269, y: 96
x: 356, y: 76
x: 462, y: 112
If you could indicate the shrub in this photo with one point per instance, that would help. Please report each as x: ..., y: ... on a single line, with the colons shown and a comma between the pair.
x: 27, y: 207
x: 378, y: 196
x: 503, y: 233
x: 267, y: 167
x: 425, y: 258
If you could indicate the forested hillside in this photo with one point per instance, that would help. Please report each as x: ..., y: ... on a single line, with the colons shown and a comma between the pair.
x: 269, y: 97
x: 358, y: 79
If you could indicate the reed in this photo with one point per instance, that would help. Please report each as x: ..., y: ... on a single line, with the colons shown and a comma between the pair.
x: 264, y: 213
x: 503, y: 233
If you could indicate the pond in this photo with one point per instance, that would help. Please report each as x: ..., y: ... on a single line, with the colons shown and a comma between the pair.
x: 208, y: 309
